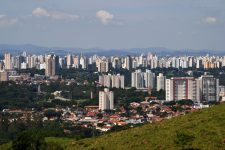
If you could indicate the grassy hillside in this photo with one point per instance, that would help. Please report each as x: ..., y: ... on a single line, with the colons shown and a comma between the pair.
x: 204, y: 129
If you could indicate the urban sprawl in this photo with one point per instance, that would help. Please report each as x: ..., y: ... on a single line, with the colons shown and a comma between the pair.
x: 114, y: 91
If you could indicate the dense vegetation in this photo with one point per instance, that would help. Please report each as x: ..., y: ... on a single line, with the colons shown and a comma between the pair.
x: 203, y: 129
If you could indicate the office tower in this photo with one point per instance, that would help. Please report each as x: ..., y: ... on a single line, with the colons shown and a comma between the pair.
x: 4, y: 76
x: 50, y: 68
x: 160, y: 82
x: 128, y: 63
x: 208, y: 88
x: 83, y: 62
x: 8, y: 61
x: 179, y: 88
x: 106, y: 99
x: 76, y: 61
x: 69, y: 61
x: 141, y: 79
x: 112, y: 81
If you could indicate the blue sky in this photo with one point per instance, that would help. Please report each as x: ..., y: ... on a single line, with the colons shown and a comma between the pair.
x: 177, y: 24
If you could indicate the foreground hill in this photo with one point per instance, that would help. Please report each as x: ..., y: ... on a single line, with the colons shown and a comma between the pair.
x: 204, y: 129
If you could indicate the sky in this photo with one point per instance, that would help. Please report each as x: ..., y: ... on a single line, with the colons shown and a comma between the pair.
x: 176, y: 24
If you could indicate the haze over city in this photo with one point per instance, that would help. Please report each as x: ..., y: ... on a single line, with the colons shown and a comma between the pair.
x: 114, y: 24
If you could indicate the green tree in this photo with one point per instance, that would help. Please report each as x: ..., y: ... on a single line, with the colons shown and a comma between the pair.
x: 29, y: 141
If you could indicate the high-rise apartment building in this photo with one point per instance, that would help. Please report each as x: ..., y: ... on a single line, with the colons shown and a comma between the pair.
x: 208, y: 88
x: 106, y: 99
x: 103, y: 66
x: 179, y: 88
x: 204, y: 88
x: 8, y: 61
x: 141, y: 79
x: 114, y: 81
x: 76, y: 62
x: 116, y: 63
x: 128, y: 63
x: 50, y: 65
x: 161, y: 82
x: 83, y: 62
x: 69, y: 61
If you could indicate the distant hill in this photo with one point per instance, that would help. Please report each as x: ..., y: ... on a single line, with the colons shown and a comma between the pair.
x: 161, y: 51
x: 200, y: 130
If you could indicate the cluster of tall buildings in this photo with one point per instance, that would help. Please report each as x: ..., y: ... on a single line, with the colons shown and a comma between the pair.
x: 112, y: 81
x: 104, y: 64
x: 204, y: 88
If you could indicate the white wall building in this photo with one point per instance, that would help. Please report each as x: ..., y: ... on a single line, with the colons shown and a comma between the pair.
x: 161, y: 82
x: 208, y: 88
x: 109, y: 80
x: 141, y: 79
x: 179, y: 88
x: 204, y: 88
x: 106, y: 99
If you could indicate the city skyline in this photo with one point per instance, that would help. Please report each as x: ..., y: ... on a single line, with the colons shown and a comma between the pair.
x: 114, y: 24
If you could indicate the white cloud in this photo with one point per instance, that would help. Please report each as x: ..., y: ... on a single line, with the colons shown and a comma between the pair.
x: 6, y: 21
x: 55, y: 15
x: 210, y: 20
x: 40, y: 12
x: 105, y: 16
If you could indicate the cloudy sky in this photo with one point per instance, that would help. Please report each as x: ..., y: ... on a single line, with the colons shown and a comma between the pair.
x: 177, y: 24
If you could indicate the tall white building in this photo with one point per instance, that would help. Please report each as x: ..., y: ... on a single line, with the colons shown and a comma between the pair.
x: 208, y: 88
x: 83, y: 62
x: 161, y: 82
x: 106, y: 99
x: 116, y: 63
x: 141, y: 79
x: 69, y: 61
x: 128, y: 63
x: 103, y: 66
x: 76, y: 62
x: 50, y: 68
x: 179, y: 88
x: 8, y: 61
